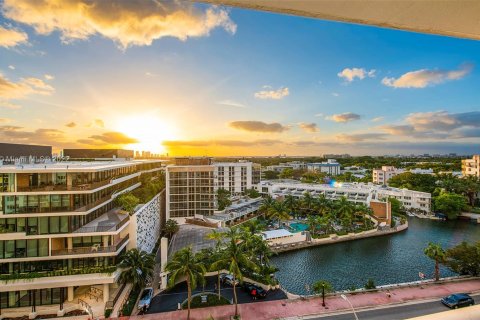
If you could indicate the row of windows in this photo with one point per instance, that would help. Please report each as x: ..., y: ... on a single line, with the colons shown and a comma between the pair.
x: 190, y: 213
x: 52, y: 265
x: 59, y: 203
x: 23, y: 248
x: 51, y: 225
x: 15, y: 299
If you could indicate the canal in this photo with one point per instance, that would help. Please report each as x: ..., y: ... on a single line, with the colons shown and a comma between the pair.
x: 387, y: 259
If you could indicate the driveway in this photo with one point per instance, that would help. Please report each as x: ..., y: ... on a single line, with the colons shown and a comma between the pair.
x: 168, y: 300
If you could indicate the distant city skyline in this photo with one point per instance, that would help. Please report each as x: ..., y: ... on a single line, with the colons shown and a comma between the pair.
x: 189, y: 79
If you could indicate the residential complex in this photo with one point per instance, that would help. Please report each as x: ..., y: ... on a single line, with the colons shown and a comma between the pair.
x: 381, y: 176
x: 294, y: 165
x: 330, y: 167
x: 60, y: 235
x: 354, y: 192
x: 98, y: 153
x: 192, y: 184
x: 471, y: 167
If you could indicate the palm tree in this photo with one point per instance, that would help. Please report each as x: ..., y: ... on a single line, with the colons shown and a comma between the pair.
x: 136, y: 267
x: 322, y: 204
x: 234, y: 258
x: 170, y: 228
x: 185, y: 264
x: 278, y: 212
x: 218, y: 237
x: 267, y: 205
x: 290, y: 203
x: 435, y: 252
x: 252, y: 226
x: 323, y: 287
x: 312, y: 224
x: 307, y: 201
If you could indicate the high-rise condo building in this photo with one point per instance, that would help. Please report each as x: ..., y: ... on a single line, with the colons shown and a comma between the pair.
x: 471, y: 167
x: 60, y: 235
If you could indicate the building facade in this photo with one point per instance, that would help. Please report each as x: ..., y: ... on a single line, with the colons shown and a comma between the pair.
x: 381, y: 176
x: 354, y: 192
x: 98, y: 153
x: 60, y: 233
x: 471, y: 167
x: 192, y: 184
x: 21, y: 153
x: 330, y: 167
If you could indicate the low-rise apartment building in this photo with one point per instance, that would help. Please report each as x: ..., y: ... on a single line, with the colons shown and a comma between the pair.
x: 471, y: 167
x: 354, y: 192
x: 294, y: 165
x: 60, y: 234
x: 381, y: 176
x: 330, y: 167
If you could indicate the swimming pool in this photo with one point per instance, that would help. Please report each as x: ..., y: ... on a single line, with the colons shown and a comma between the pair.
x: 298, y: 226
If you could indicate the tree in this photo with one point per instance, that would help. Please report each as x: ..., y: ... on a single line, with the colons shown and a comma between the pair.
x: 322, y: 287
x: 267, y: 205
x: 450, y: 204
x: 413, y: 181
x: 270, y: 175
x: 471, y: 185
x: 170, y: 228
x: 252, y: 193
x: 235, y: 258
x: 370, y: 285
x: 218, y: 237
x: 184, y: 264
x: 136, y: 267
x: 307, y: 202
x: 223, y: 199
x: 127, y: 201
x: 464, y: 259
x: 435, y: 252
x: 397, y: 207
x: 290, y: 203
x: 278, y: 212
x: 286, y: 173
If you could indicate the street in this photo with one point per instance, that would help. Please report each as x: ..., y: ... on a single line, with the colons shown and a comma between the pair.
x: 404, y: 311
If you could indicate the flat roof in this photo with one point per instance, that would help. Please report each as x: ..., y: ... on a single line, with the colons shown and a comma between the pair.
x: 73, y: 166
x: 273, y: 234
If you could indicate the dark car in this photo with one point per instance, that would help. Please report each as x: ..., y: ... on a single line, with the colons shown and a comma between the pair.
x: 458, y: 300
x: 254, y: 291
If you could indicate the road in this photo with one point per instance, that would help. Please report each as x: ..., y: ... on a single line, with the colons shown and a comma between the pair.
x: 400, y: 312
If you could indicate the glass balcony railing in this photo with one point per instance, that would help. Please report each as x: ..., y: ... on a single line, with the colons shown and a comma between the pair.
x: 92, y: 249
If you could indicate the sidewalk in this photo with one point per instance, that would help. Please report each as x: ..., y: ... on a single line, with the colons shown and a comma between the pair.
x: 290, y: 308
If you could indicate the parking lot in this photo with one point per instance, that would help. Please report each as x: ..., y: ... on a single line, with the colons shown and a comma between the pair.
x: 169, y: 300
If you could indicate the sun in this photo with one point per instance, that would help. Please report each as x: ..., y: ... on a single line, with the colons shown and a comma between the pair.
x: 149, y: 130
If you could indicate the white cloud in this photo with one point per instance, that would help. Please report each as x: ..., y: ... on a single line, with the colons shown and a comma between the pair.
x: 49, y: 76
x: 278, y: 94
x: 318, y: 115
x: 350, y: 74
x: 128, y: 23
x: 308, y: 127
x: 335, y: 94
x: 231, y: 103
x: 377, y: 119
x: 10, y: 38
x: 11, y: 67
x: 424, y: 77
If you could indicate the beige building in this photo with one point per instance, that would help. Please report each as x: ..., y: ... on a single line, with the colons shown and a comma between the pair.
x: 60, y: 233
x: 471, y: 167
x: 381, y: 176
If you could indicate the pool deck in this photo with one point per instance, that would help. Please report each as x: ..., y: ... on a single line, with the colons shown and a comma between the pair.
x: 299, y: 241
x: 282, y: 309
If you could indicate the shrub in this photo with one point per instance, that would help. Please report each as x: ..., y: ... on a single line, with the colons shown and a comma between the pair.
x: 212, y: 300
x: 370, y: 284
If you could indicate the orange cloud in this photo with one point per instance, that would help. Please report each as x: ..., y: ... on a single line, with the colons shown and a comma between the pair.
x: 128, y: 23
x: 258, y: 126
x: 12, y: 37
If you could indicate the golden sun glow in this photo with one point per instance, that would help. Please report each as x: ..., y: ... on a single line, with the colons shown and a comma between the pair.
x: 149, y: 130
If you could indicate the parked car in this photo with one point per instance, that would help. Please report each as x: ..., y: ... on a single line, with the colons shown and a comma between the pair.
x: 145, y: 299
x: 228, y: 279
x: 458, y: 300
x: 254, y: 291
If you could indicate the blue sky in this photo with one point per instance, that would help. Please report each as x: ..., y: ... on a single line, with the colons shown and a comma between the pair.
x: 221, y: 81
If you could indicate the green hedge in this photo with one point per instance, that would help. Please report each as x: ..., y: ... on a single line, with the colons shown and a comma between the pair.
x: 56, y: 273
x: 132, y: 298
x: 212, y: 300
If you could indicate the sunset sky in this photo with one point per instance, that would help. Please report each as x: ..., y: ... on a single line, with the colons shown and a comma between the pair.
x: 169, y: 76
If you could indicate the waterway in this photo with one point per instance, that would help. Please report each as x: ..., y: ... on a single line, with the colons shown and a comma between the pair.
x: 387, y: 259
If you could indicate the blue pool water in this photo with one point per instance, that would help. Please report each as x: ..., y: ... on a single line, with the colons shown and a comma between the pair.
x: 298, y: 226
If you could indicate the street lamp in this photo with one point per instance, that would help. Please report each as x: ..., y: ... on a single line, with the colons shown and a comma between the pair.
x: 344, y: 297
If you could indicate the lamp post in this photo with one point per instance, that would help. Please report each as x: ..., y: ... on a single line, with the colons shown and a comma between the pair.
x: 344, y: 297
x: 323, y: 294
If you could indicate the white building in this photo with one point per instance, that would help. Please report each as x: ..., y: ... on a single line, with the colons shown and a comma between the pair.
x: 294, y: 165
x: 61, y: 235
x: 471, y: 167
x: 330, y: 167
x: 354, y: 192
x: 235, y: 177
x: 421, y: 171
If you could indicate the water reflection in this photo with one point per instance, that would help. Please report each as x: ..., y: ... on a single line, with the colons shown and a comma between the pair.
x: 388, y: 259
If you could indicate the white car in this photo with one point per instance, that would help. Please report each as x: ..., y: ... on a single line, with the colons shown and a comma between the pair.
x: 228, y: 279
x: 145, y: 299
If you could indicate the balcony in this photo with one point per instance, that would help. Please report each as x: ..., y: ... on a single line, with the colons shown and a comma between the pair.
x: 64, y: 187
x: 108, y: 222
x: 91, y: 250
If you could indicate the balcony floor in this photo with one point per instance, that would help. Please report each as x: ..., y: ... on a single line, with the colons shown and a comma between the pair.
x: 106, y: 222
